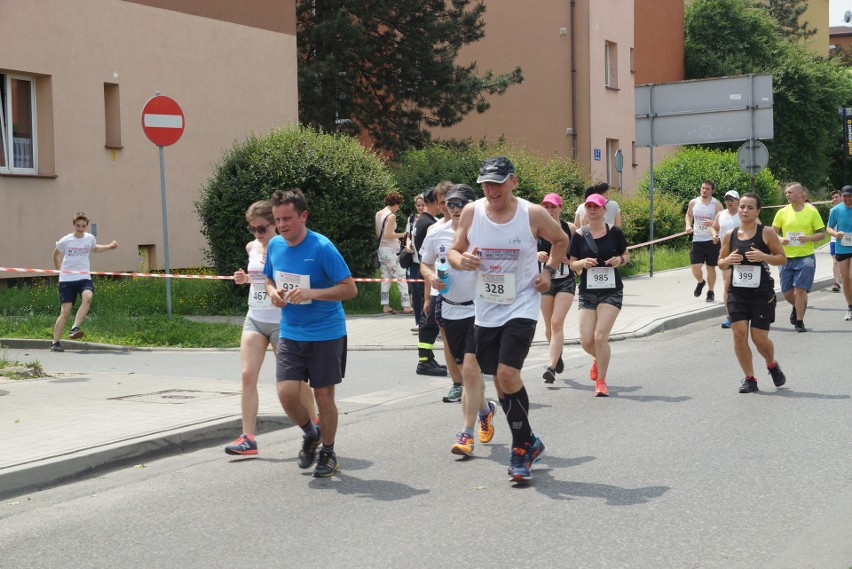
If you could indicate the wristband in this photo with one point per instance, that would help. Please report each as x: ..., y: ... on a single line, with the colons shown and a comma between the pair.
x: 551, y: 269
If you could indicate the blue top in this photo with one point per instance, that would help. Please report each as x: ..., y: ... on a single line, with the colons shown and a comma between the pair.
x: 319, y: 260
x: 840, y: 219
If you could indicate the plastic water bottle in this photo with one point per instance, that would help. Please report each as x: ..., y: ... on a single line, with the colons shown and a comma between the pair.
x: 443, y: 268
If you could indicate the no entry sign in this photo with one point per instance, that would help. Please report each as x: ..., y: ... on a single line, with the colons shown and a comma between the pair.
x: 162, y: 120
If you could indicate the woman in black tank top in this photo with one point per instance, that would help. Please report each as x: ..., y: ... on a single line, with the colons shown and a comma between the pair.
x: 749, y: 250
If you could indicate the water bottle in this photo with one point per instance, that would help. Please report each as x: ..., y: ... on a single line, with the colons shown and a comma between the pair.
x: 443, y: 268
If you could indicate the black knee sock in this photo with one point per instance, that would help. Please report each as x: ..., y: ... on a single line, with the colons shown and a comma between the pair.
x: 517, y: 406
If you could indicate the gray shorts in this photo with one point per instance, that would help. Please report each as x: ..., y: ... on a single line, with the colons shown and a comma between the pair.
x: 320, y: 363
x: 268, y: 330
x: 591, y: 300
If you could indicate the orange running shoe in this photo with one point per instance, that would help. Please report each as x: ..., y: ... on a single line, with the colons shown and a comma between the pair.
x: 600, y: 389
x: 593, y: 373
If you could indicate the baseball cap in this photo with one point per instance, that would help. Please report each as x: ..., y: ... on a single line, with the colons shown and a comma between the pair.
x: 846, y: 191
x: 596, y: 199
x: 496, y: 169
x: 554, y: 199
x: 461, y: 192
x: 429, y: 194
x: 733, y: 193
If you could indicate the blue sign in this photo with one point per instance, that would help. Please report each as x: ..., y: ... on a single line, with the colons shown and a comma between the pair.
x: 598, y: 154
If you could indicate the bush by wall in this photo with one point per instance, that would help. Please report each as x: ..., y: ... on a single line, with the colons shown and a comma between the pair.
x: 344, y: 185
x: 636, y: 221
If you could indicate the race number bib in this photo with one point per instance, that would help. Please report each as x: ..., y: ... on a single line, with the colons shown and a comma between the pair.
x: 600, y: 278
x: 499, y: 289
x: 699, y: 229
x: 746, y: 276
x: 285, y: 282
x: 793, y: 237
x: 258, y: 300
x: 846, y: 240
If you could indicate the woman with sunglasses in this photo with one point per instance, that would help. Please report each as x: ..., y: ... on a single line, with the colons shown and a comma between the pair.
x: 260, y: 328
x: 726, y: 220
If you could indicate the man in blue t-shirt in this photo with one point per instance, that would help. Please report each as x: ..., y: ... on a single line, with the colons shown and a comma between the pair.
x: 840, y: 227
x: 307, y: 278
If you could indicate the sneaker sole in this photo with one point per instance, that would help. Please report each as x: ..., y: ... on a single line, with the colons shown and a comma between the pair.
x: 327, y: 474
x: 241, y: 452
x: 77, y: 335
x: 601, y: 394
x: 521, y: 478
x: 549, y: 376
x: 450, y: 400
x: 435, y: 373
x: 486, y: 440
x: 461, y: 451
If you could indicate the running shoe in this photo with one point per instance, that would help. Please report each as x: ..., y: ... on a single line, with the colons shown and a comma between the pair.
x: 522, y: 460
x: 600, y: 389
x: 800, y: 326
x: 836, y: 287
x: 464, y: 446
x: 327, y: 464
x: 698, y: 288
x: 593, y: 373
x: 727, y: 323
x: 431, y: 367
x: 848, y: 314
x: 778, y: 377
x: 486, y: 424
x: 244, y: 445
x: 76, y: 333
x: 560, y: 365
x: 549, y: 375
x: 308, y: 454
x: 793, y: 316
x: 56, y: 347
x: 711, y: 296
x: 749, y: 385
x: 454, y: 395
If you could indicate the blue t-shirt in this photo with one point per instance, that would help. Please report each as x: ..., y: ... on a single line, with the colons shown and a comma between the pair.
x: 317, y: 259
x: 840, y: 219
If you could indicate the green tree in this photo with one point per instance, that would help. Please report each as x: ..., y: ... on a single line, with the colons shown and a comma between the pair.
x: 788, y: 15
x: 388, y: 67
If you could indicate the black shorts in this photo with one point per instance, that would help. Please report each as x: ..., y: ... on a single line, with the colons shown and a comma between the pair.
x: 704, y: 253
x: 842, y: 256
x: 69, y: 290
x: 757, y: 309
x: 590, y: 300
x: 320, y: 363
x: 460, y: 337
x: 567, y: 285
x: 508, y: 344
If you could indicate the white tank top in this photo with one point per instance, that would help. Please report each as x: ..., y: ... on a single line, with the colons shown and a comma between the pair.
x: 699, y: 213
x: 727, y: 222
x: 257, y: 292
x: 504, y: 288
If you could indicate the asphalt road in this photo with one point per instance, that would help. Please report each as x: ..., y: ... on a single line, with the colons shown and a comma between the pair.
x: 675, y: 469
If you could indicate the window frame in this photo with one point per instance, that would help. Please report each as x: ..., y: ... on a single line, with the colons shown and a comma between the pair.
x: 610, y: 65
x: 7, y: 132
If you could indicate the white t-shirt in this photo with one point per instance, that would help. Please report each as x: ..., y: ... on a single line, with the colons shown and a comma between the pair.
x: 612, y: 210
x: 727, y: 221
x: 462, y: 283
x: 260, y: 306
x: 75, y: 251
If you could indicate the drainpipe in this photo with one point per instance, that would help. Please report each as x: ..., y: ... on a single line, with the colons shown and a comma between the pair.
x: 573, y: 86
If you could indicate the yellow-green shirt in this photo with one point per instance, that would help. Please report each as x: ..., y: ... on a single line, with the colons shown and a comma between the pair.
x: 794, y: 223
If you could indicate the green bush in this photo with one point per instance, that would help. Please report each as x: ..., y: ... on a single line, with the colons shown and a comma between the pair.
x: 343, y: 182
x: 537, y: 176
x: 635, y: 217
x: 681, y: 175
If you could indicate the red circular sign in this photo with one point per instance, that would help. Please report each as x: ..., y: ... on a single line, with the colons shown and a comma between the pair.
x: 162, y: 120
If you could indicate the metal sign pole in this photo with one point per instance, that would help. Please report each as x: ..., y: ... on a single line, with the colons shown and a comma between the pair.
x: 165, y: 233
x: 651, y: 185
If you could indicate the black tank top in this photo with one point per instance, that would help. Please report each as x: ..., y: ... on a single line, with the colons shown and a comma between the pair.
x: 544, y: 245
x: 741, y: 247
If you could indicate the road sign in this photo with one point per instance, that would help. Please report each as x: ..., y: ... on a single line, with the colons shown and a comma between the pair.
x: 162, y: 120
x: 753, y: 156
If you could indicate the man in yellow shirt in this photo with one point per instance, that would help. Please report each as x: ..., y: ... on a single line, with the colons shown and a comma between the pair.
x: 800, y: 226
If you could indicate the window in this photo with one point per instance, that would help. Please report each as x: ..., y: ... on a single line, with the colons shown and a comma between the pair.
x: 611, y: 65
x: 611, y: 174
x: 112, y: 116
x: 19, y: 146
x: 633, y: 161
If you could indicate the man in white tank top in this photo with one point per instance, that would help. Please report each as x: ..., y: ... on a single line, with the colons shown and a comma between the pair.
x: 705, y: 246
x: 497, y: 236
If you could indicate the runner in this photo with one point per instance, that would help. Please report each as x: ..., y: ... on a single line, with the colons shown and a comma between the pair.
x: 260, y: 328
x: 836, y: 198
x: 497, y: 238
x: 704, y: 249
x: 455, y: 314
x: 749, y: 250
x: 840, y: 227
x: 307, y: 278
x: 595, y: 252
x: 726, y: 220
x: 556, y: 302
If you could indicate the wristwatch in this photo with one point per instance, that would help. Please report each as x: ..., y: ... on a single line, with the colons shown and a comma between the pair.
x: 551, y: 269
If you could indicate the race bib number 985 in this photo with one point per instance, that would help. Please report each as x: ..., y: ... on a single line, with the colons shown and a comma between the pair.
x: 600, y: 278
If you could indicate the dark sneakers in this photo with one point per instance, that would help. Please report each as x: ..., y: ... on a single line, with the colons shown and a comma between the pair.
x: 76, y: 333
x: 800, y: 326
x: 778, y: 377
x: 549, y: 375
x: 522, y: 460
x: 308, y: 454
x: 56, y: 347
x: 431, y: 367
x: 698, y: 288
x: 749, y: 385
x: 711, y: 296
x: 560, y: 365
x: 793, y: 316
x: 327, y: 464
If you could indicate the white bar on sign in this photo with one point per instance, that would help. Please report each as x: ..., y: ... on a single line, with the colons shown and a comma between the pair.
x: 163, y: 121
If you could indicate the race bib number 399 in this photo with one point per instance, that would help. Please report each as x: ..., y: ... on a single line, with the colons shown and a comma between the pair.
x: 746, y: 276
x: 285, y: 282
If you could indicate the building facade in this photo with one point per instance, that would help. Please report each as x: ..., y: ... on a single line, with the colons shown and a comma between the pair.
x: 74, y: 77
x: 581, y: 60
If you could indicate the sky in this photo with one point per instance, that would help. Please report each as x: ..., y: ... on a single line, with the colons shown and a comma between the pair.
x: 836, y: 9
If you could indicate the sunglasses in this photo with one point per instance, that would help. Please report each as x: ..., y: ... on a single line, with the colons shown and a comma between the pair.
x: 261, y: 229
x: 456, y: 204
x: 730, y: 199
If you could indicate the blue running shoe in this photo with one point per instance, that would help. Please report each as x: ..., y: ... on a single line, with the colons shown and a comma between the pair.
x: 245, y: 445
x: 522, y: 460
x: 726, y: 323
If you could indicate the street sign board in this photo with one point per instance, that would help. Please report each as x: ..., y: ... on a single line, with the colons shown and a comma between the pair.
x: 753, y: 156
x: 162, y: 120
